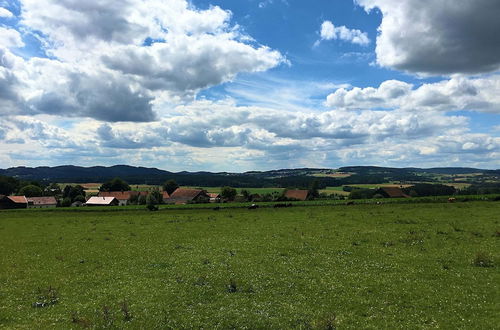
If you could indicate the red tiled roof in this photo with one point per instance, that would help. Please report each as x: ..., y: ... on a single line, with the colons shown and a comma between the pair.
x: 213, y: 195
x: 165, y: 195
x: 18, y: 199
x: 42, y: 200
x: 120, y: 195
x: 185, y: 193
x: 301, y: 195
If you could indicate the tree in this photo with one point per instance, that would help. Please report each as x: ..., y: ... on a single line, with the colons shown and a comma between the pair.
x: 66, y: 202
x: 228, y: 193
x: 53, y: 189
x: 79, y: 198
x: 313, y: 189
x: 31, y: 191
x: 151, y: 202
x: 157, y: 195
x: 142, y: 200
x: 170, y: 186
x: 72, y: 191
x: 115, y: 184
x: 8, y: 185
x: 246, y: 195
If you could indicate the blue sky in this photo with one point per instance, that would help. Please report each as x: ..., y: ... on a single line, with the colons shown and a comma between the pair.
x: 250, y: 85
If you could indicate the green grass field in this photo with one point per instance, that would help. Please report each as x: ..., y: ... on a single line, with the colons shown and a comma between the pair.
x: 425, y: 265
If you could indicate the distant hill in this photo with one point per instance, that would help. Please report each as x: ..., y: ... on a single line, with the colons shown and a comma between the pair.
x: 301, y: 177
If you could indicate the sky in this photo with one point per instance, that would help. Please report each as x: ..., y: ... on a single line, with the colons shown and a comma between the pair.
x: 224, y: 85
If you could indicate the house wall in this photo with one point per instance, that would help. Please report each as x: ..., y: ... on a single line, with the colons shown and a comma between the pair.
x: 40, y: 206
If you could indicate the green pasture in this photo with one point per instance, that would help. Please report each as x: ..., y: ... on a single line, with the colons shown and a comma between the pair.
x: 422, y: 265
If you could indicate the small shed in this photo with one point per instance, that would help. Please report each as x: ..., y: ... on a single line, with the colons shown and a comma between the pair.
x: 300, y: 195
x: 13, y: 202
x: 42, y: 202
x: 102, y: 201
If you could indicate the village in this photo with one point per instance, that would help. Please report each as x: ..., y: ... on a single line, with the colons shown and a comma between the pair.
x: 179, y: 196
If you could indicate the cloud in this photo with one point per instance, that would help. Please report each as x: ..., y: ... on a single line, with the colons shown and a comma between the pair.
x: 331, y: 32
x: 10, y: 38
x: 100, y: 65
x: 5, y: 13
x: 457, y: 93
x: 438, y: 37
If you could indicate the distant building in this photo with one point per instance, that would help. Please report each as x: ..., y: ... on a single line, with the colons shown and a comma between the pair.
x: 185, y: 195
x: 214, y: 197
x: 41, y: 202
x: 102, y: 201
x: 13, y: 202
x: 391, y: 192
x: 300, y: 195
x: 123, y: 197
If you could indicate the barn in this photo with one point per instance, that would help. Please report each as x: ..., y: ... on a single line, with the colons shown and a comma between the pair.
x: 102, y: 201
x: 42, y: 202
x: 186, y: 195
x: 13, y: 202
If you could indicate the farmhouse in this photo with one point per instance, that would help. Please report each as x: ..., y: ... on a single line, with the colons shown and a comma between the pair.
x: 391, y: 192
x: 102, y: 201
x: 42, y: 202
x: 123, y: 197
x: 13, y: 202
x: 300, y: 195
x: 185, y: 195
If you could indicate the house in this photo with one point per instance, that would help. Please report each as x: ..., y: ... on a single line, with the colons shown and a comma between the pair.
x: 165, y: 197
x: 13, y: 202
x: 185, y: 195
x: 123, y: 197
x: 214, y: 197
x: 41, y: 202
x: 391, y: 192
x: 300, y: 195
x: 102, y: 201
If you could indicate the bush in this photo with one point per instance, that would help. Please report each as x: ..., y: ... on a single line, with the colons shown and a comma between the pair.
x: 79, y: 198
x: 66, y: 202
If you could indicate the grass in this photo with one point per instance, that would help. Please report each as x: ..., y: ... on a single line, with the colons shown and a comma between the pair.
x: 359, y: 266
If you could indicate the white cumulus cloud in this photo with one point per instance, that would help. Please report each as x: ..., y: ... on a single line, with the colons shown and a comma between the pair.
x: 329, y: 32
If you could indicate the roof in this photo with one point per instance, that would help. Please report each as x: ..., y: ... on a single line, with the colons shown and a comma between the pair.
x: 165, y: 195
x: 120, y: 195
x: 213, y: 195
x: 18, y: 199
x: 394, y: 192
x: 50, y: 200
x: 301, y: 195
x: 100, y: 200
x: 185, y: 193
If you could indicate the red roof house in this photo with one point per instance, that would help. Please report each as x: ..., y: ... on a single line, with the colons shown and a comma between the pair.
x: 13, y: 202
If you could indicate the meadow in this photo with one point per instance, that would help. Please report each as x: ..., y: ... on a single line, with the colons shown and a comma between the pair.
x: 423, y: 265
